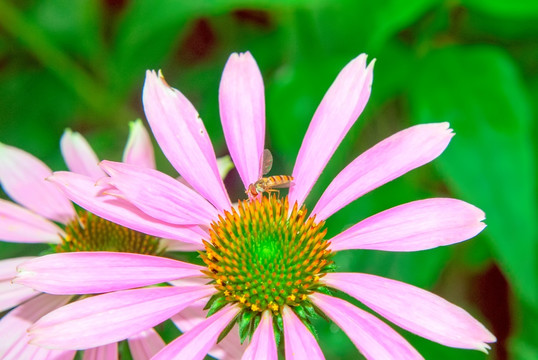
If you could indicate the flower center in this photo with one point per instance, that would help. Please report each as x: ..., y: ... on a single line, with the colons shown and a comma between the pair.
x: 90, y: 232
x: 260, y: 258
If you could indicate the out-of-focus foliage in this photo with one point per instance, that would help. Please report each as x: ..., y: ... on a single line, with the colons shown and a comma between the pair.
x: 474, y: 63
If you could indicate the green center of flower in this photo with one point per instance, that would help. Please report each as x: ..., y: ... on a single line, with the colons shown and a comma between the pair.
x: 263, y: 259
x: 90, y: 232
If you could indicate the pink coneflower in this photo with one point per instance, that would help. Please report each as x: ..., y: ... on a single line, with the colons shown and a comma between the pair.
x: 43, y: 205
x: 269, y: 268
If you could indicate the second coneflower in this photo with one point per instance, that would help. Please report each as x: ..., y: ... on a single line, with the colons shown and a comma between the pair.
x: 268, y: 266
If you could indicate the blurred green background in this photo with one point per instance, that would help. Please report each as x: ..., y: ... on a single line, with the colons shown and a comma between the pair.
x: 474, y: 63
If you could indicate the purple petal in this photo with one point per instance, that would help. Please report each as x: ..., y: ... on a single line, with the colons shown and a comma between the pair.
x: 83, y: 191
x: 18, y: 224
x: 338, y: 111
x: 105, y: 352
x: 79, y: 156
x: 159, y: 195
x: 98, y: 272
x: 196, y: 343
x: 102, y: 319
x: 242, y: 111
x: 23, y: 178
x: 373, y: 338
x: 139, y: 149
x: 14, y: 325
x: 299, y: 343
x: 182, y: 136
x: 415, y: 310
x: 418, y: 225
x: 229, y: 348
x: 263, y: 345
x: 387, y: 160
x: 145, y: 344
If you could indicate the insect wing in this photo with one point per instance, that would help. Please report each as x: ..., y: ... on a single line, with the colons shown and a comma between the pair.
x: 267, y: 161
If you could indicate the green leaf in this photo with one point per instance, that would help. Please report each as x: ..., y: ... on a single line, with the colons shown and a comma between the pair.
x: 513, y: 8
x: 420, y: 268
x: 216, y: 305
x: 72, y: 24
x: 149, y: 30
x: 524, y: 345
x: 228, y: 328
x: 244, y: 324
x: 489, y: 163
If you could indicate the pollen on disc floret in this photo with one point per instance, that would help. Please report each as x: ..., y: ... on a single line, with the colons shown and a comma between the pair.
x: 262, y: 259
x: 89, y: 232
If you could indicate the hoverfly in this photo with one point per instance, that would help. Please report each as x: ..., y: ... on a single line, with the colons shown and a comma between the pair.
x: 268, y: 183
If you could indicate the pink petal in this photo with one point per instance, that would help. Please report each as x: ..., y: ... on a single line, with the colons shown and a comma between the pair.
x: 414, y: 309
x: 105, y: 352
x: 106, y: 318
x: 145, y: 344
x: 23, y: 350
x: 139, y: 149
x: 8, y: 267
x: 373, y: 338
x: 192, y: 281
x: 14, y: 325
x: 418, y: 225
x: 263, y: 345
x: 196, y: 343
x: 23, y: 178
x: 175, y: 245
x: 12, y: 295
x: 229, y: 348
x: 98, y: 272
x: 389, y: 159
x: 18, y: 224
x: 79, y: 156
x: 299, y: 342
x: 338, y: 111
x: 182, y: 136
x: 159, y: 195
x: 83, y: 191
x: 242, y: 111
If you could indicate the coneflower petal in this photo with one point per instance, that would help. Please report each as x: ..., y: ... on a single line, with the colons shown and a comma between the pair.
x: 99, y: 272
x: 139, y: 149
x: 385, y: 161
x: 103, y: 319
x: 159, y: 195
x: 79, y: 155
x: 299, y: 342
x: 23, y: 178
x: 196, y: 343
x: 414, y: 309
x: 83, y: 191
x: 373, y: 338
x: 263, y: 345
x: 18, y: 224
x: 183, y: 138
x: 418, y: 225
x: 337, y: 112
x: 242, y: 112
